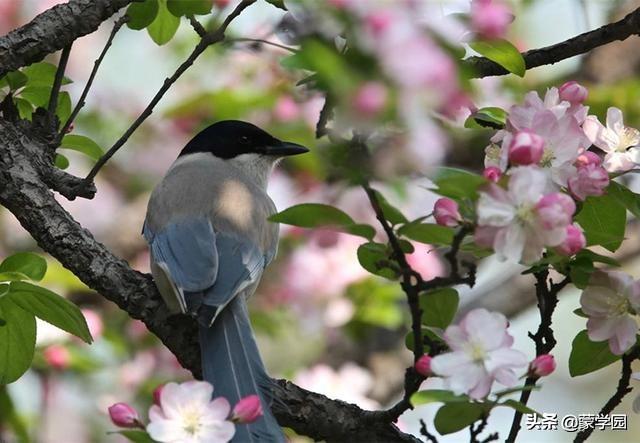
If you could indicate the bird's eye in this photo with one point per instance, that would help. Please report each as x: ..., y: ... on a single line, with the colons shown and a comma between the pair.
x: 244, y: 140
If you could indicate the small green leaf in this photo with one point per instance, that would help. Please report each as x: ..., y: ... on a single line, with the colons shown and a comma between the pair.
x: 27, y: 263
x: 61, y: 161
x: 439, y: 307
x: 518, y: 406
x: 16, y: 80
x: 588, y: 356
x: 189, y: 7
x: 594, y: 257
x: 63, y: 111
x: 457, y: 183
x: 581, y: 269
x: 82, y: 144
x: 312, y: 215
x: 580, y: 313
x: 603, y: 220
x: 164, y: 26
x: 38, y: 96
x: 490, y: 117
x: 437, y: 396
x: 142, y: 14
x: 43, y: 74
x: 17, y: 341
x: 13, y: 276
x: 625, y: 197
x: 50, y: 307
x: 361, y: 230
x: 428, y: 233
x: 391, y: 214
x: 375, y: 259
x: 25, y: 108
x: 135, y: 436
x: 453, y: 417
x: 503, y: 53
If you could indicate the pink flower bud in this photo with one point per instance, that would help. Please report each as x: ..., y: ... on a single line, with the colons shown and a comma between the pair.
x: 588, y: 158
x: 490, y: 19
x: 574, y: 242
x: 445, y: 211
x: 221, y: 4
x: 591, y: 179
x: 124, y: 416
x: 423, y: 365
x: 247, y: 410
x: 157, y: 393
x: 542, y: 365
x: 526, y: 148
x: 555, y: 210
x: 573, y: 92
x: 370, y: 98
x: 378, y: 21
x: 57, y: 356
x: 492, y: 173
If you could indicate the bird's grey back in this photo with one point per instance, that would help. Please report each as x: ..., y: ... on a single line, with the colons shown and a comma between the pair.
x: 203, y: 185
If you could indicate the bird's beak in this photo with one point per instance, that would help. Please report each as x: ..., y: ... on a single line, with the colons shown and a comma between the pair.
x: 283, y: 149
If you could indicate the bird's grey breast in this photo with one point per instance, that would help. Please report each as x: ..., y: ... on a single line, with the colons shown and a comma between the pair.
x: 202, y: 185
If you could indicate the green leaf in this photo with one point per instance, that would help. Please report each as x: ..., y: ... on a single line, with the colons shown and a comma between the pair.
x: 437, y: 396
x: 50, y: 307
x: 13, y: 276
x: 38, y: 96
x: 189, y: 7
x: 453, y: 417
x: 316, y: 215
x: 428, y: 233
x: 25, y: 109
x: 588, y: 356
x: 439, y: 307
x: 490, y: 117
x: 625, y: 197
x: 603, y: 220
x: 82, y: 144
x: 63, y: 111
x: 43, y: 74
x: 61, y: 161
x: 375, y: 259
x: 27, y: 263
x: 391, y: 214
x: 142, y: 14
x: 457, y: 183
x: 594, y: 257
x: 518, y: 406
x: 16, y: 80
x: 135, y: 436
x: 11, y: 419
x: 581, y: 269
x: 164, y: 26
x: 17, y: 341
x: 503, y: 53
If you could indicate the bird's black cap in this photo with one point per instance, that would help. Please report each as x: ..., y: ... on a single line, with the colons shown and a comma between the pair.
x: 230, y: 138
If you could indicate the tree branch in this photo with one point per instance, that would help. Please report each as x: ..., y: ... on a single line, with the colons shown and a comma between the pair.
x: 57, y: 81
x: 53, y: 30
x: 620, y: 30
x: 26, y: 168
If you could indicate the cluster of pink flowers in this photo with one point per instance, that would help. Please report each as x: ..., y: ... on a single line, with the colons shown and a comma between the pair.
x: 185, y: 412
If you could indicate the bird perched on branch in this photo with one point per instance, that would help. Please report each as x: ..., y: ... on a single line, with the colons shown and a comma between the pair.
x: 210, y: 242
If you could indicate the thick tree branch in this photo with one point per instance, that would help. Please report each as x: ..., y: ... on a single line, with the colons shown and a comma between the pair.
x: 26, y: 168
x: 53, y: 30
x: 620, y: 30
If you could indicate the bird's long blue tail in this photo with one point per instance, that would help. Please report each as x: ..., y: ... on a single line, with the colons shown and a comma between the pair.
x: 231, y: 363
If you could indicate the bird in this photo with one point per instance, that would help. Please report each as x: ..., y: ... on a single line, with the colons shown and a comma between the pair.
x: 210, y: 242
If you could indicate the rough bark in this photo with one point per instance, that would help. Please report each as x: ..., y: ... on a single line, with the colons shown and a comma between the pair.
x: 53, y: 30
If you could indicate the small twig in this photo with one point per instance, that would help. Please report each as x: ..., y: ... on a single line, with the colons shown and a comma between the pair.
x: 262, y: 41
x: 209, y: 39
x: 547, y: 295
x: 195, y: 24
x: 622, y: 390
x: 491, y: 437
x: 423, y: 430
x: 475, y: 431
x: 57, y: 81
x: 96, y: 65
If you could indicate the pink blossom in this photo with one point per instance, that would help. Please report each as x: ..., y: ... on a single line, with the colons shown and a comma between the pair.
x: 588, y: 158
x: 526, y: 148
x: 610, y: 301
x: 446, y: 213
x: 511, y: 222
x: 423, y: 365
x: 542, y: 365
x: 590, y: 179
x: 157, y: 393
x: 370, y: 98
x: 57, y: 356
x: 492, y: 173
x: 286, y: 109
x: 573, y: 92
x: 378, y: 21
x: 480, y: 354
x: 247, y: 410
x: 490, y: 19
x: 555, y: 210
x: 574, y: 242
x: 124, y: 416
x: 618, y: 141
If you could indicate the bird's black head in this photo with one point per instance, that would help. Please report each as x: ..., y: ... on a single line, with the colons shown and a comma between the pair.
x: 230, y: 138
